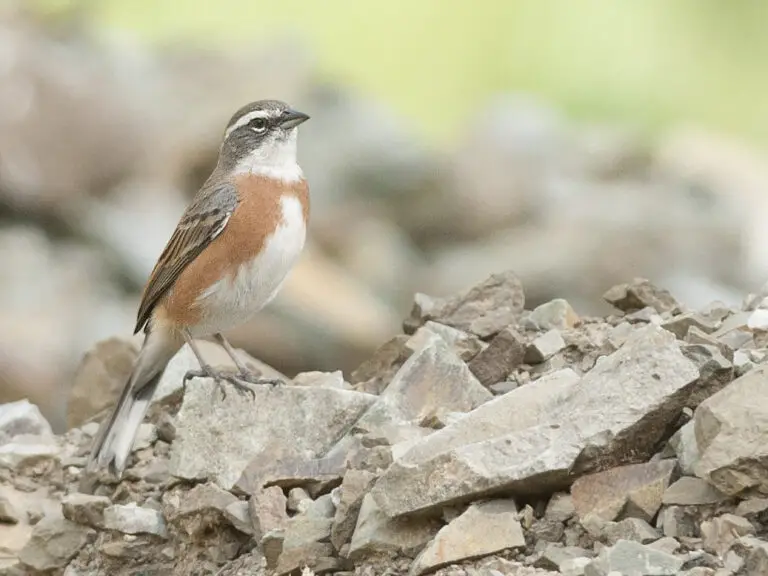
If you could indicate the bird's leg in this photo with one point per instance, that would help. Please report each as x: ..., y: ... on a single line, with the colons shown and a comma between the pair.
x: 245, y: 374
x: 207, y: 371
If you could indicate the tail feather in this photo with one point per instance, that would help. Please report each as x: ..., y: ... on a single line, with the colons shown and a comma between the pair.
x: 117, y: 433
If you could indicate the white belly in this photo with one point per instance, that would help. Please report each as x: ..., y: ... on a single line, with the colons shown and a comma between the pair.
x: 233, y: 301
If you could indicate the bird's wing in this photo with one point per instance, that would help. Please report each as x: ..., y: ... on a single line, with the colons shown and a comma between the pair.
x: 202, y: 221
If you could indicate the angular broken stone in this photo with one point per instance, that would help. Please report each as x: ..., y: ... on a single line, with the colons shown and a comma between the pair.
x: 133, y: 519
x: 556, y: 313
x: 432, y: 378
x: 537, y: 438
x: 634, y: 529
x: 322, y: 380
x: 85, y: 509
x: 8, y: 512
x: 721, y: 532
x: 54, y: 542
x: 681, y: 324
x: 268, y: 511
x: 307, y: 420
x: 377, y: 535
x: 485, y: 528
x: 690, y: 491
x: 465, y: 345
x: 305, y: 543
x: 353, y: 489
x: 714, y: 369
x: 684, y: 444
x: 482, y: 310
x: 504, y: 353
x: 22, y: 417
x: 28, y: 450
x: 374, y: 375
x: 628, y: 491
x: 627, y: 557
x: 544, y: 347
x: 239, y: 516
x: 195, y: 511
x: 731, y: 429
x: 639, y: 294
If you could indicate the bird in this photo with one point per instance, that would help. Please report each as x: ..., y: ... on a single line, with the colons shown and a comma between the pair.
x: 230, y: 253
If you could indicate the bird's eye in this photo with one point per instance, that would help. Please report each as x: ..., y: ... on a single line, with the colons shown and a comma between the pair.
x: 259, y: 125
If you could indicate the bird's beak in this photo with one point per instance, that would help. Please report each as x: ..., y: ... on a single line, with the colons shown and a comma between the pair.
x: 292, y: 118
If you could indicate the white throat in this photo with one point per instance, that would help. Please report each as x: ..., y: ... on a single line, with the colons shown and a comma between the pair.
x: 276, y: 159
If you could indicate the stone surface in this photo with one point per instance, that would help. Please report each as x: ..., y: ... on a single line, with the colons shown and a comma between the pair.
x: 721, y: 532
x: 432, y: 378
x: 556, y: 313
x: 633, y: 559
x: 638, y: 294
x: 22, y: 417
x: 485, y: 528
x: 308, y: 420
x: 482, y: 310
x: 375, y: 534
x: 85, y: 509
x: 731, y: 429
x: 504, y: 353
x: 544, y: 347
x: 268, y: 510
x: 353, y: 489
x: 133, y: 519
x: 636, y: 490
x: 690, y: 491
x: 646, y: 383
x: 54, y: 542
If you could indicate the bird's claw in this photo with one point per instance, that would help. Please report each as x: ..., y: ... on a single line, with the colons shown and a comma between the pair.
x: 219, y: 377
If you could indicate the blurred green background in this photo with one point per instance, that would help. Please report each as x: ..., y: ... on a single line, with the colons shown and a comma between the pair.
x: 647, y: 63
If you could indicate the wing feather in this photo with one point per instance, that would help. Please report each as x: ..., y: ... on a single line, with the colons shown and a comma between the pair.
x: 201, y: 222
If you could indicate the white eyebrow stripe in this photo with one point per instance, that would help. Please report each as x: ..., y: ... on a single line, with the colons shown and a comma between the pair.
x: 243, y: 120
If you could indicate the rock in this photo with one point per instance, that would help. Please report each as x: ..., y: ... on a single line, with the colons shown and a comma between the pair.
x: 193, y: 513
x: 465, y: 345
x: 133, y: 519
x: 85, y: 509
x: 639, y: 294
x: 289, y: 470
x: 238, y: 514
x: 686, y: 448
x: 482, y: 310
x: 757, y: 561
x: 633, y: 529
x: 298, y: 500
x: 268, y: 511
x: 432, y: 378
x: 305, y: 543
x: 99, y: 378
x: 678, y: 522
x: 731, y: 429
x: 758, y: 320
x: 555, y: 556
x: 8, y: 512
x: 544, y: 347
x: 485, y: 528
x: 681, y: 324
x: 633, y: 559
x: 555, y: 314
x: 715, y: 370
x: 721, y: 532
x: 689, y: 491
x: 54, y: 542
x: 322, y: 380
x: 560, y: 508
x: 751, y: 507
x: 535, y: 438
x: 628, y: 491
x: 308, y: 420
x: 26, y: 451
x: 22, y: 417
x: 374, y: 375
x: 504, y: 353
x: 353, y: 489
x: 666, y: 544
x: 377, y: 535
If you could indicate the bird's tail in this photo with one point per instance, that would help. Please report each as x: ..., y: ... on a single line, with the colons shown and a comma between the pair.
x: 117, y: 433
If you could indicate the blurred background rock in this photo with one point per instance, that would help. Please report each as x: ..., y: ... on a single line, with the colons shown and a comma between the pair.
x: 578, y: 145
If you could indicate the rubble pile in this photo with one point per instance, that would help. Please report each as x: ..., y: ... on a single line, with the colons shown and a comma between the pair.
x: 488, y: 438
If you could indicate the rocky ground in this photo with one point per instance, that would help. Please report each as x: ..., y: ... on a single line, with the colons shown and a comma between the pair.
x: 487, y: 439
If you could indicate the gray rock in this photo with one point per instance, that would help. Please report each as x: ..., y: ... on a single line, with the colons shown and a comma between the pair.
x: 721, y: 532
x: 503, y: 354
x: 729, y: 434
x: 298, y: 500
x: 353, y: 489
x: 544, y: 347
x: 690, y: 491
x: 195, y: 511
x: 133, y: 519
x: 377, y: 535
x: 628, y: 491
x: 560, y: 507
x: 716, y: 371
x: 686, y: 448
x: 28, y: 450
x: 305, y: 543
x: 374, y: 375
x: 633, y: 529
x: 681, y: 324
x: 307, y: 420
x: 639, y: 294
x: 322, y: 380
x: 482, y: 310
x: 268, y: 511
x: 554, y: 556
x: 485, y: 528
x: 751, y: 507
x: 678, y: 522
x: 556, y: 314
x: 54, y: 542
x: 432, y: 378
x: 85, y: 509
x: 465, y: 345
x: 238, y: 514
x: 22, y: 417
x: 633, y: 559
x: 8, y: 512
x: 537, y: 437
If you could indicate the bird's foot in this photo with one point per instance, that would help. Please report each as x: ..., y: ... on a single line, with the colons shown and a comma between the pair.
x: 219, y: 377
x: 253, y: 378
